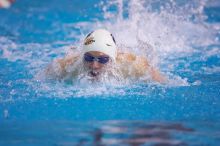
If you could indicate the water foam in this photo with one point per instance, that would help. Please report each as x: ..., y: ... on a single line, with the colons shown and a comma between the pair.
x: 166, y: 32
x: 173, y: 30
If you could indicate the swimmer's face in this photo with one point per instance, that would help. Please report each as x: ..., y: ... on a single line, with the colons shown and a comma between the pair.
x: 95, y: 62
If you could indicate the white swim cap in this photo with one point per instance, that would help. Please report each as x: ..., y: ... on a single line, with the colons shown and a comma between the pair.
x: 102, y: 41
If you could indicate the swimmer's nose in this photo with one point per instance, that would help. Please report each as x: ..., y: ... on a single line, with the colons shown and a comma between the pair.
x: 95, y: 65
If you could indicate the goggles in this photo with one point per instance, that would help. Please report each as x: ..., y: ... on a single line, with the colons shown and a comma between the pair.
x: 101, y: 59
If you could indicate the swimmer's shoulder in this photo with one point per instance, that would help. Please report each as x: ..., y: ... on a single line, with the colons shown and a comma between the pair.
x: 123, y: 57
x: 128, y: 57
x: 137, y: 66
x: 131, y: 64
x: 69, y: 59
x: 58, y: 66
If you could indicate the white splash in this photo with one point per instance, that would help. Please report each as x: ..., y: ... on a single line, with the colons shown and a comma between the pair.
x: 164, y: 31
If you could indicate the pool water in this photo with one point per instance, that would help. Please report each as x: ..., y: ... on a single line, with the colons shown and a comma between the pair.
x: 185, y: 40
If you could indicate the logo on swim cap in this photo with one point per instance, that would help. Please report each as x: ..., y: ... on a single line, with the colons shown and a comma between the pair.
x: 89, y: 40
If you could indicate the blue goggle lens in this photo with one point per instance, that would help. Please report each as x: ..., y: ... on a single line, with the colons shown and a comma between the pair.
x: 101, y: 59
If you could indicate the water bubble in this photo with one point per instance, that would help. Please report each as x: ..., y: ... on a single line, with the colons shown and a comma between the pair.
x: 6, y: 113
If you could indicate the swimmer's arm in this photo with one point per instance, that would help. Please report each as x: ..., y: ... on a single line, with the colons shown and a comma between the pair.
x: 58, y: 67
x: 141, y: 66
x: 156, y: 75
x: 153, y: 72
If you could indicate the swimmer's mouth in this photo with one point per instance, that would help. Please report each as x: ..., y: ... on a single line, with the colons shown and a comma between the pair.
x: 93, y: 73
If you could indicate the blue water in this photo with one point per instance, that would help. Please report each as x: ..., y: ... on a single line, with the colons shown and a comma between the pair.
x: 185, y: 111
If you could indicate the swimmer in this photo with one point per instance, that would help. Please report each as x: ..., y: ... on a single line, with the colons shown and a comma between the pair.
x: 99, y: 55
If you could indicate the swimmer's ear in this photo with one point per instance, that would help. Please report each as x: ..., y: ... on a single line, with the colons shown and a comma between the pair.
x: 113, y: 38
x: 89, y: 34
